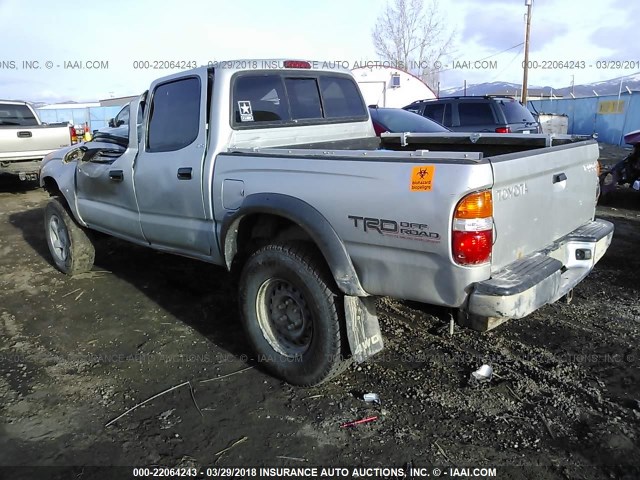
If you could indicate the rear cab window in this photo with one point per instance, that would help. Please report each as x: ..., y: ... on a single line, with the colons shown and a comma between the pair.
x: 292, y: 98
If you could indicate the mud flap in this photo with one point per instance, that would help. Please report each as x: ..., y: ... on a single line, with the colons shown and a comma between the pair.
x: 363, y: 329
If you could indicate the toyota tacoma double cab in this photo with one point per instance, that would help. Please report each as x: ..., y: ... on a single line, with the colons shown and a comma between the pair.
x: 277, y: 174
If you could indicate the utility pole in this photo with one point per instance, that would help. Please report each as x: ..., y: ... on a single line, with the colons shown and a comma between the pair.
x: 528, y: 3
x: 573, y: 85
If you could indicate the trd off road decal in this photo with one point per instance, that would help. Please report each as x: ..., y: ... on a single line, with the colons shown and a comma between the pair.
x: 393, y: 228
x: 422, y: 178
x: 246, y: 113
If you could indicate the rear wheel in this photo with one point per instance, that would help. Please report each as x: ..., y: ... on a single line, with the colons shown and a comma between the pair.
x: 70, y: 247
x: 292, y: 313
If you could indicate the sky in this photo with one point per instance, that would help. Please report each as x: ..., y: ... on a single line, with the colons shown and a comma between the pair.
x: 115, y: 34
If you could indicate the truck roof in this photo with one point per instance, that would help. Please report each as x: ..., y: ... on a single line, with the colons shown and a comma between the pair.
x: 14, y: 102
x: 230, y: 67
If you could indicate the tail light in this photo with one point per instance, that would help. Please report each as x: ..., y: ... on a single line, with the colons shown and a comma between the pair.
x: 503, y: 130
x: 472, y: 231
x: 73, y: 134
x: 378, y: 128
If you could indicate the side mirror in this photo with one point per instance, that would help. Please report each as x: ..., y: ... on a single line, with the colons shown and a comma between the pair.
x: 120, y: 122
x: 112, y: 122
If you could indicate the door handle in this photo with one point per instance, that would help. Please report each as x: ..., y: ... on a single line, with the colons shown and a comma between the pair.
x: 24, y: 134
x: 184, y: 173
x: 116, y: 175
x: 559, y: 177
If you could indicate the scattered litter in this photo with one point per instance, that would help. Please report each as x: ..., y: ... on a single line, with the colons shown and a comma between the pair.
x: 358, y: 422
x: 314, y: 396
x: 71, y: 292
x: 237, y: 442
x: 154, y: 397
x: 483, y: 374
x: 513, y: 393
x: 225, y: 376
x: 371, y: 398
x: 293, y: 458
x: 79, y: 295
x: 547, y: 425
x: 442, y: 452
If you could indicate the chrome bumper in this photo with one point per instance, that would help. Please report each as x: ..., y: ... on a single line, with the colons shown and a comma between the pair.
x: 543, y: 277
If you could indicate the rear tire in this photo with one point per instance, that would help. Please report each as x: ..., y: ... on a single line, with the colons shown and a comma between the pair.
x: 292, y: 313
x: 71, y: 248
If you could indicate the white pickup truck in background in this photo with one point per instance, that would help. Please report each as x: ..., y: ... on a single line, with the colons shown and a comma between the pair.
x: 24, y: 140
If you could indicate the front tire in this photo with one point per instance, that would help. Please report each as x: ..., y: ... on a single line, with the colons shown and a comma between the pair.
x: 292, y: 313
x: 70, y: 247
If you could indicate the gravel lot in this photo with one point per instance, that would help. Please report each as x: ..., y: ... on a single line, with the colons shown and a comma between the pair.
x: 75, y: 353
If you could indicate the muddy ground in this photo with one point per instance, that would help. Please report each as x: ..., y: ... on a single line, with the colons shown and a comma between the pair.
x: 75, y: 353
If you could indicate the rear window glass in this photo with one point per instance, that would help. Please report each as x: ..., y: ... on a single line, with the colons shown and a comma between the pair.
x: 398, y: 120
x: 514, y: 112
x: 341, y: 97
x: 475, y: 113
x: 440, y: 112
x: 304, y: 98
x: 280, y: 99
x: 16, y: 115
x: 259, y: 99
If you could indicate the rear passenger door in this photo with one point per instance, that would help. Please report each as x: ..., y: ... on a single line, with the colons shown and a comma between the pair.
x: 439, y: 112
x: 168, y: 170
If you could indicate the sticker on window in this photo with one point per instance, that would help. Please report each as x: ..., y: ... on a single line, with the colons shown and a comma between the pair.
x: 422, y: 178
x: 246, y: 113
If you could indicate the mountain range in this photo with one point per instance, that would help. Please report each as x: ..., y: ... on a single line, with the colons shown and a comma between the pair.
x: 607, y: 87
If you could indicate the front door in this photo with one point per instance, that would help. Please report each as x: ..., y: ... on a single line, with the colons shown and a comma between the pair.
x: 105, y: 190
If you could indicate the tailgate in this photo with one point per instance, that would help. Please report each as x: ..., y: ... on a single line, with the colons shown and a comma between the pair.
x: 19, y: 141
x: 541, y: 195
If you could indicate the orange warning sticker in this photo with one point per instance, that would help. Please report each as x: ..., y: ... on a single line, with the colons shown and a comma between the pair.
x: 422, y: 178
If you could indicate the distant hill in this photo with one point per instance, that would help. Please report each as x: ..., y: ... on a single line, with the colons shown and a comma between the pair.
x: 607, y: 87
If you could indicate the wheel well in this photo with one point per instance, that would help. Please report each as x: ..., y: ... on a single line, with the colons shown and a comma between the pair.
x: 260, y: 229
x: 51, y: 186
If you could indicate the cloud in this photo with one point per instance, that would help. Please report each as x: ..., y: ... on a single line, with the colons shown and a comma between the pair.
x: 501, y: 29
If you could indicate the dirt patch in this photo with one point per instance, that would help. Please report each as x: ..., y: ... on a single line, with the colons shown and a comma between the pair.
x: 77, y: 352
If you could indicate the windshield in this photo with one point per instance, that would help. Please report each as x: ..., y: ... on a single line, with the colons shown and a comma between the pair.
x: 398, y: 120
x: 514, y: 112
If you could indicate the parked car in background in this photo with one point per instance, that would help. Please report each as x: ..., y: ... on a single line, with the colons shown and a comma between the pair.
x: 119, y: 125
x: 493, y: 114
x: 396, y: 120
x: 25, y: 140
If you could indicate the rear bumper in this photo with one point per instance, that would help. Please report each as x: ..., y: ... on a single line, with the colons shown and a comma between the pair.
x: 25, y: 170
x: 527, y: 284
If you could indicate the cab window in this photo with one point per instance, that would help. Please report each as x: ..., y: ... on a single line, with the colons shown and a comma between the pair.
x: 174, y: 115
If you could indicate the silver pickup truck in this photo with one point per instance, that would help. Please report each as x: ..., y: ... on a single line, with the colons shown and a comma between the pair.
x: 272, y: 168
x: 24, y: 140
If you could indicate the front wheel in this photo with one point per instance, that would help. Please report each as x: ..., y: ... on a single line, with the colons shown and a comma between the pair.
x: 292, y: 313
x: 70, y: 247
